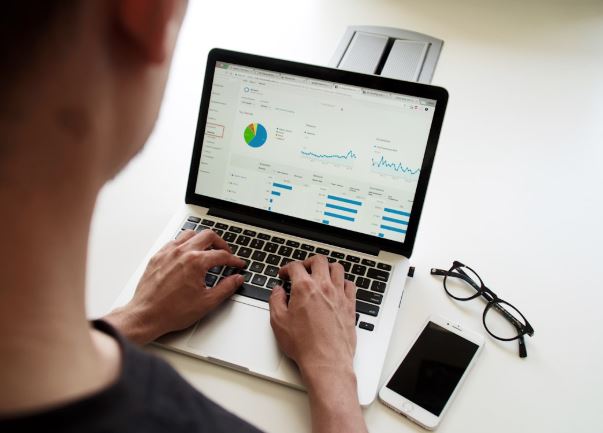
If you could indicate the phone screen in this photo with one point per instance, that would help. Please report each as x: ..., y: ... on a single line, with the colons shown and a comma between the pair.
x: 433, y: 367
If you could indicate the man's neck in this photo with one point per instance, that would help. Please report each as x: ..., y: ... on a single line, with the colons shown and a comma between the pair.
x: 49, y: 354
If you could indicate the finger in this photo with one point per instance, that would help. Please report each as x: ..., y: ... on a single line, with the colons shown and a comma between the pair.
x: 350, y: 290
x: 277, y: 303
x: 337, y: 277
x: 182, y: 237
x: 204, y: 240
x: 224, y: 289
x: 293, y: 271
x: 213, y: 258
x: 319, y: 266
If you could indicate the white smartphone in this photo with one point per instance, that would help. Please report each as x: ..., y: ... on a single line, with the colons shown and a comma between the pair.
x: 431, y: 372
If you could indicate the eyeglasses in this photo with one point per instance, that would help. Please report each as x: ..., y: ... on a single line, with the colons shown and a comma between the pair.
x: 502, y: 320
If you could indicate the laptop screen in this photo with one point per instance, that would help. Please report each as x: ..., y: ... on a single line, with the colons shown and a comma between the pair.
x: 323, y: 151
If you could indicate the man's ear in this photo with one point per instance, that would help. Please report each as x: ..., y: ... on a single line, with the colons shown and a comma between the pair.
x: 152, y: 25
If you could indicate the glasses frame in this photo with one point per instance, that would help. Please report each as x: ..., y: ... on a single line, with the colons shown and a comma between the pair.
x: 493, y: 301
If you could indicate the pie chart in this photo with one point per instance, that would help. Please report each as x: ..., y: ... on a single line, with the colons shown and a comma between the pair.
x: 255, y: 135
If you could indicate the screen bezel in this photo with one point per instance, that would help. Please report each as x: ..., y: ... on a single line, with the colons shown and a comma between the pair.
x: 438, y: 94
x: 412, y: 409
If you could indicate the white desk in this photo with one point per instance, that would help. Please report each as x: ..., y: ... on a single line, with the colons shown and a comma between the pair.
x: 515, y: 192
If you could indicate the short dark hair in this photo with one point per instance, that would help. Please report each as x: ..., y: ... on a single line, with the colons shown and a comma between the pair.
x: 24, y: 27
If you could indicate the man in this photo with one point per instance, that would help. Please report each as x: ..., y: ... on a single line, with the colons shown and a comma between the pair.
x: 82, y: 83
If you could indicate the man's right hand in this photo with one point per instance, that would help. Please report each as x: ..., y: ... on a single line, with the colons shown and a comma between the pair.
x: 317, y: 330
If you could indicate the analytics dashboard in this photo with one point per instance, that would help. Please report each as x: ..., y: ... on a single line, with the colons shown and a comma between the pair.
x: 322, y: 151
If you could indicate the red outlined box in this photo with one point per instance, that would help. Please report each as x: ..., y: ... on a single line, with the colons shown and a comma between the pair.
x: 214, y: 130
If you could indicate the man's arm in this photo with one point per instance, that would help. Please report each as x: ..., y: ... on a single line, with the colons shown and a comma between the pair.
x: 172, y: 294
x: 316, y: 329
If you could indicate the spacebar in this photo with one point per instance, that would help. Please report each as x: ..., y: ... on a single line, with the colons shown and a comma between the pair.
x: 254, y: 292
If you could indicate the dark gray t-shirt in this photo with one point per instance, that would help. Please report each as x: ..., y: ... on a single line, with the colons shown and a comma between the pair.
x: 149, y: 397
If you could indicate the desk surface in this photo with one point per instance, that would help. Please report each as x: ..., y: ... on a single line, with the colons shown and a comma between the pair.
x: 514, y: 193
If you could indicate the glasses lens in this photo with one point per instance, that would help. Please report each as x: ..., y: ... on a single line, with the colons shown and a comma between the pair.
x: 503, y: 320
x: 462, y: 283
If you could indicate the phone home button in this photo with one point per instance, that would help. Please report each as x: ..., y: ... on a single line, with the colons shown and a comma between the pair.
x: 407, y: 407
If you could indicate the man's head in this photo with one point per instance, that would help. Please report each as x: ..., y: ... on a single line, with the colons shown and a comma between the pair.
x: 82, y: 82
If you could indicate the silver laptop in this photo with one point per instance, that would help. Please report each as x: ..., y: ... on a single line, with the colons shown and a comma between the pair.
x: 292, y: 160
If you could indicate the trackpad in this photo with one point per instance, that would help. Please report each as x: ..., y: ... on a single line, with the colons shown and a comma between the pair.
x: 238, y: 334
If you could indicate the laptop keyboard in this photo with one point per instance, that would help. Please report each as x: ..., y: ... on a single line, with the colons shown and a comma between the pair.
x: 264, y: 254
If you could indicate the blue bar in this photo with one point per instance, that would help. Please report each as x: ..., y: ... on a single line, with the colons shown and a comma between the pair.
x: 394, y: 220
x: 393, y: 229
x: 346, y: 209
x: 275, y: 193
x: 282, y: 185
x: 325, y: 221
x: 343, y: 217
x: 345, y: 200
x: 397, y: 212
x: 381, y: 235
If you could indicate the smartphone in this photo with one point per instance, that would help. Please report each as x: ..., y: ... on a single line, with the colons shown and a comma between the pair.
x: 430, y: 374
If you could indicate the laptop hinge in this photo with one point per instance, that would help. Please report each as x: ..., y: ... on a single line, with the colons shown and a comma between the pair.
x: 295, y: 231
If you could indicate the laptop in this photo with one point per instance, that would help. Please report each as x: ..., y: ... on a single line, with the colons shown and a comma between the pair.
x: 291, y: 160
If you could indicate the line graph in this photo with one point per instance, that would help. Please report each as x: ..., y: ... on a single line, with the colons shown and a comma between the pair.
x: 382, y: 165
x: 337, y: 156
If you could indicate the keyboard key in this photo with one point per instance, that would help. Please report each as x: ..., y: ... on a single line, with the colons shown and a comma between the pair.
x: 287, y: 286
x: 376, y: 274
x: 384, y: 266
x: 293, y: 244
x: 229, y: 237
x: 200, y: 228
x: 260, y: 280
x: 367, y: 296
x: 270, y: 247
x: 221, y: 226
x: 299, y: 255
x: 350, y: 277
x: 230, y: 271
x: 362, y: 282
x: 193, y: 219
x: 368, y: 262
x: 357, y: 317
x: 367, y: 326
x: 331, y: 259
x: 246, y: 275
x: 346, y: 265
x: 254, y: 292
x: 359, y: 270
x: 259, y: 256
x: 273, y: 259
x: 243, y: 240
x: 285, y: 261
x: 209, y: 223
x: 338, y: 255
x: 233, y: 248
x: 272, y: 282
x: 285, y: 251
x: 378, y: 286
x: 247, y: 262
x: 235, y: 229
x: 322, y: 251
x: 250, y: 233
x: 271, y: 271
x: 278, y: 240
x: 264, y: 236
x: 352, y: 259
x: 210, y: 280
x: 189, y: 226
x: 244, y: 252
x: 219, y: 232
x: 307, y: 247
x: 369, y: 309
x: 257, y: 244
x: 215, y: 269
x: 259, y: 268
